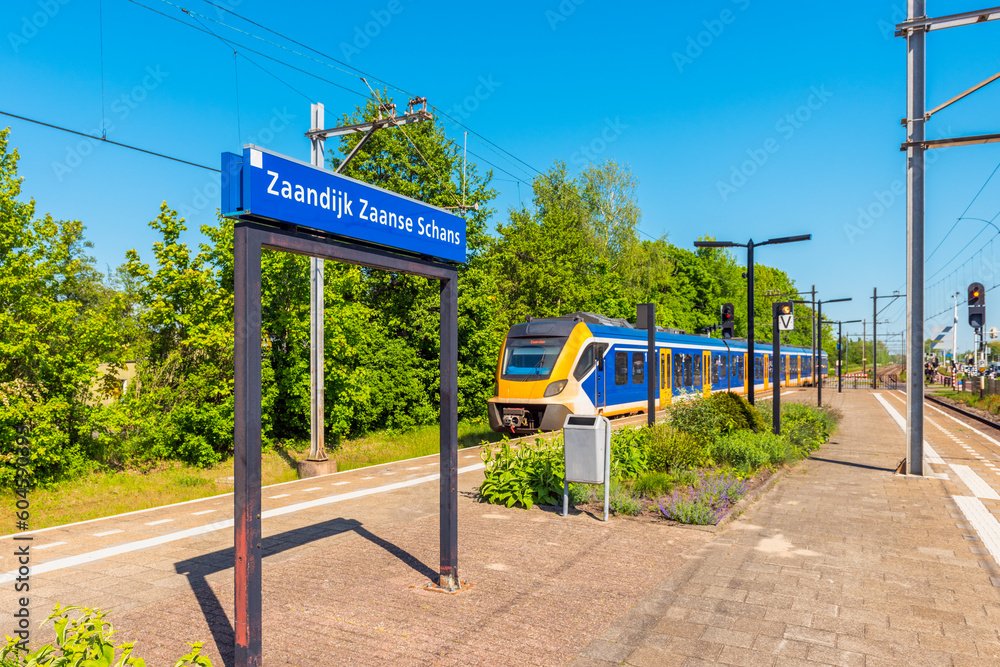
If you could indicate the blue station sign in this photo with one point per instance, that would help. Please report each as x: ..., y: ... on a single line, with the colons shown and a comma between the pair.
x: 264, y: 186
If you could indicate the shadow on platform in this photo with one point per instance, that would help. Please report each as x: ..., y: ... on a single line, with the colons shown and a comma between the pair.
x: 852, y: 464
x: 197, y: 569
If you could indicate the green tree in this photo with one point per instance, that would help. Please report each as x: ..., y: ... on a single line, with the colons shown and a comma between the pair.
x: 58, y: 319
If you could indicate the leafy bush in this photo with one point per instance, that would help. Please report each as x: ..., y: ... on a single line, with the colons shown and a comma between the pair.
x: 673, y: 449
x: 629, y: 452
x: 736, y: 413
x: 85, y: 641
x: 807, y: 427
x: 528, y: 475
x: 746, y: 451
x: 695, y: 416
x: 721, y: 413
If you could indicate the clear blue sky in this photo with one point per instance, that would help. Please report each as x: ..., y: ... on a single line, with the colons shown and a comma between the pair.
x: 685, y: 93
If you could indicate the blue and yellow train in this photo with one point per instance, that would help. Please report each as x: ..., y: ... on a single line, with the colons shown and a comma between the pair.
x: 589, y: 364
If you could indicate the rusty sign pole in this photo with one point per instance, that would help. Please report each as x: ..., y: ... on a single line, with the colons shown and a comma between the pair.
x: 246, y: 471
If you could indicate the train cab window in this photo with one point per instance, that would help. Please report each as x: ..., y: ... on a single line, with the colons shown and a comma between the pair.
x: 587, y: 360
x: 678, y: 370
x: 697, y: 370
x: 638, y: 368
x: 687, y: 370
x: 621, y: 367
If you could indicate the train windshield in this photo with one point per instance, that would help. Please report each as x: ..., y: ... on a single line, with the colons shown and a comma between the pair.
x: 530, y: 358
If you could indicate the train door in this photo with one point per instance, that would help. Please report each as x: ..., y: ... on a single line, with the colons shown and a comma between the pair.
x: 666, y: 378
x: 747, y: 368
x: 764, y: 369
x: 599, y: 393
x: 706, y: 373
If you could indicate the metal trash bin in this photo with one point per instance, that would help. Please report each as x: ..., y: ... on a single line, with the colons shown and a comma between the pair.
x: 587, y: 454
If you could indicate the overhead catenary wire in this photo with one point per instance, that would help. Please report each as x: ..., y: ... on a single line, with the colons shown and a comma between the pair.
x: 106, y: 140
x: 203, y: 29
x: 959, y: 219
x: 247, y: 48
x: 356, y: 71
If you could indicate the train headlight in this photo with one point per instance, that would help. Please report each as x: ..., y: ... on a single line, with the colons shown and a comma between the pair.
x: 554, y: 388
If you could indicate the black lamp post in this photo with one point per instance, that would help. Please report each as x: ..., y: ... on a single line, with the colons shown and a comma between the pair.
x: 750, y: 245
x: 840, y: 342
x: 819, y: 346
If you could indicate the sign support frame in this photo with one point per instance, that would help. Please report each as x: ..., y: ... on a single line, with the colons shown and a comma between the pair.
x: 250, y: 240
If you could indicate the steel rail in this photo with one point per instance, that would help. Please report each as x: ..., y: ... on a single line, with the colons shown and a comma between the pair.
x: 965, y: 413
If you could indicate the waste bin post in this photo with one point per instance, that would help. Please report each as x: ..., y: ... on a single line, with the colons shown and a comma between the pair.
x: 565, y: 496
x: 607, y: 464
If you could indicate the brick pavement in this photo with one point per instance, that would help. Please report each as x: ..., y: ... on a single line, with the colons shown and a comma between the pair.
x: 841, y: 563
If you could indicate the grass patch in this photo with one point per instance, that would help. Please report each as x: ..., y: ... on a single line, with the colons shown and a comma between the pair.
x: 389, y: 446
x: 107, y: 493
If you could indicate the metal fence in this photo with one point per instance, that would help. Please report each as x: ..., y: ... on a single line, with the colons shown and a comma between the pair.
x: 862, y: 382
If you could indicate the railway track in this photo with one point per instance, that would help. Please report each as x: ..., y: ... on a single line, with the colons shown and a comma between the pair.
x: 965, y: 413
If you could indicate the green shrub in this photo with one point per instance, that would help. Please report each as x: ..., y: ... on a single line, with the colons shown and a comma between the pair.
x: 85, y: 641
x: 654, y: 484
x: 747, y: 451
x: 736, y: 413
x: 530, y: 474
x: 695, y: 416
x: 621, y: 501
x: 673, y: 449
x: 630, y: 452
x: 807, y: 427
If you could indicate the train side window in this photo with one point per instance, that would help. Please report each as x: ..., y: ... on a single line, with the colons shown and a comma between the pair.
x: 734, y: 366
x: 586, y: 362
x: 678, y: 370
x: 697, y: 370
x: 621, y: 367
x: 687, y: 370
x: 723, y: 366
x: 638, y: 368
x: 715, y: 368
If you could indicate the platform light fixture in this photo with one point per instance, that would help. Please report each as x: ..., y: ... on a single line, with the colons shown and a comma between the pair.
x: 750, y: 245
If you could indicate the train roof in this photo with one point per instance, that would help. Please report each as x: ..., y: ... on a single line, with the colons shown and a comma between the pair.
x: 610, y: 327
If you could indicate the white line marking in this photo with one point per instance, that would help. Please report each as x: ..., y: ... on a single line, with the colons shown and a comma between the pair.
x: 280, y: 495
x: 984, y: 523
x: 49, y: 545
x: 109, y: 532
x: 975, y: 483
x: 786, y: 393
x: 389, y: 472
x: 367, y: 478
x: 339, y: 483
x: 977, y: 432
x: 156, y: 523
x: 203, y: 512
x: 414, y: 468
x: 315, y: 488
x: 71, y: 561
x: 929, y: 454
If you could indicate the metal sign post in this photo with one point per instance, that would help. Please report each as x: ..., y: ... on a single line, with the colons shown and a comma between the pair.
x: 646, y: 318
x: 783, y: 319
